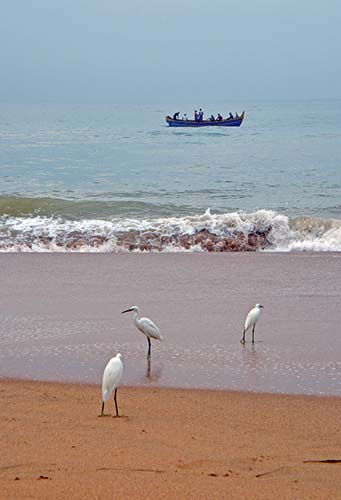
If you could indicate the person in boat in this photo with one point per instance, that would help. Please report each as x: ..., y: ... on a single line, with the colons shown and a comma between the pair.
x: 212, y: 119
x: 201, y: 115
x: 196, y: 115
x: 231, y: 115
x: 237, y: 115
x: 184, y: 118
x: 176, y: 115
x: 219, y: 118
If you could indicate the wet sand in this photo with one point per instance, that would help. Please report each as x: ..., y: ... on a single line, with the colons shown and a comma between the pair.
x: 172, y: 444
x: 60, y: 319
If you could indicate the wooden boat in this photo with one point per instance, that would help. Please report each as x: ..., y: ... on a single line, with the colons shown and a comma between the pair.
x: 228, y: 122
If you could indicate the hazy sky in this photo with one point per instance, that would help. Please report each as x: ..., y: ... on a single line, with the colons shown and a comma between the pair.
x: 135, y: 51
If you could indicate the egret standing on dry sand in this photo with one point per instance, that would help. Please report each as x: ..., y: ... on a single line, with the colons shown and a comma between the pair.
x: 251, y: 320
x: 146, y: 326
x: 111, y: 377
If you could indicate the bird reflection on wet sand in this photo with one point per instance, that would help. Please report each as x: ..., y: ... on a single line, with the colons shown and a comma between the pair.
x: 154, y: 376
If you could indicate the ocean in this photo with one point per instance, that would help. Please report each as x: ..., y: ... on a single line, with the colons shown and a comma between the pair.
x: 165, y: 208
x: 81, y: 178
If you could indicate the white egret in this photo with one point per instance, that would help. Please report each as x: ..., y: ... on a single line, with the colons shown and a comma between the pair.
x: 146, y: 326
x: 251, y: 320
x: 111, y: 377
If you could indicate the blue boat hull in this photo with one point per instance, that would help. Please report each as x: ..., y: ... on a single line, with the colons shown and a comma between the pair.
x: 230, y: 122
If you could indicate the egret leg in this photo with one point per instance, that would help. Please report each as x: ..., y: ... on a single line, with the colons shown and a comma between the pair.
x: 116, y: 406
x: 102, y: 414
x: 253, y: 334
x: 149, y: 346
x: 243, y: 339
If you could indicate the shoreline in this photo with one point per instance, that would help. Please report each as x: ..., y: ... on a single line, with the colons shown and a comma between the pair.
x: 173, y: 443
x: 166, y: 388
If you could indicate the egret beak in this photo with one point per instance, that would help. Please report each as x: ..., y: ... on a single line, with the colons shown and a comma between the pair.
x: 127, y: 310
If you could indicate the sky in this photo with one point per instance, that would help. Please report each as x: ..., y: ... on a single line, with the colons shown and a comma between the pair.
x: 155, y: 51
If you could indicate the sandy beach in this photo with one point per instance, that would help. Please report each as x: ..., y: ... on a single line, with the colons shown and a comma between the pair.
x: 172, y: 444
x: 60, y: 321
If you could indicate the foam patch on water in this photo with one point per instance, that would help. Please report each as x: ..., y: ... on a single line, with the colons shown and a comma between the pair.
x: 208, y: 232
x: 311, y: 234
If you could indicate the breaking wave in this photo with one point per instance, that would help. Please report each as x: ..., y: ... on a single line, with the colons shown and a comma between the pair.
x: 230, y: 232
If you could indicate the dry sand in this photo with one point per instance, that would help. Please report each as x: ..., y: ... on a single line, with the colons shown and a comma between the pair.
x: 173, y: 444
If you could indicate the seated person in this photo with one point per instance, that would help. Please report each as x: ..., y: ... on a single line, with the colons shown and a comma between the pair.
x: 184, y: 118
x: 237, y: 115
x: 219, y: 118
x: 231, y: 115
x: 212, y: 119
x: 176, y: 115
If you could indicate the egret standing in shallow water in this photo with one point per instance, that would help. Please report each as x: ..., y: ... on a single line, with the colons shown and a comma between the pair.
x: 251, y: 320
x: 146, y: 326
x: 111, y: 377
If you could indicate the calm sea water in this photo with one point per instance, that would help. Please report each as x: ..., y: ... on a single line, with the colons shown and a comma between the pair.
x: 103, y: 170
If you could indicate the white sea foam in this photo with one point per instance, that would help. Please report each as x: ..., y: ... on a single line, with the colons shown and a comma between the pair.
x: 277, y: 232
x: 310, y: 234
